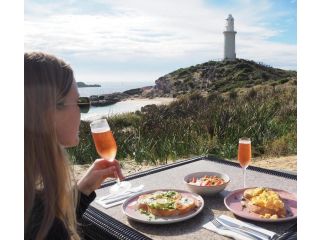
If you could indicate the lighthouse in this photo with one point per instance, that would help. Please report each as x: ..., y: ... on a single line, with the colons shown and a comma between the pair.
x: 229, y: 39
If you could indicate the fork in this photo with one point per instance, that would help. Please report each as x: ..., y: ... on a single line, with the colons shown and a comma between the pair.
x: 246, y: 229
x: 246, y: 234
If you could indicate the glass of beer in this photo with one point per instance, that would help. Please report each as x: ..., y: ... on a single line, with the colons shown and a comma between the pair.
x: 244, y: 156
x: 106, y: 147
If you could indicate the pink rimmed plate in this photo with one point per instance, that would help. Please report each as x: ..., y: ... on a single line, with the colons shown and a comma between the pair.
x: 233, y: 202
x: 130, y: 209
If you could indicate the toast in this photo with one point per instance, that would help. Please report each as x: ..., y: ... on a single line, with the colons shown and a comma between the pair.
x: 166, y: 203
x: 185, y: 205
x: 143, y: 200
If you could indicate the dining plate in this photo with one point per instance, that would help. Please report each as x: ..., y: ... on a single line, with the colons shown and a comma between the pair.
x: 233, y: 202
x: 130, y: 209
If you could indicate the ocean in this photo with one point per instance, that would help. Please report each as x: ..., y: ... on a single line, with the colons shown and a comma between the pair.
x: 111, y: 87
x: 119, y: 107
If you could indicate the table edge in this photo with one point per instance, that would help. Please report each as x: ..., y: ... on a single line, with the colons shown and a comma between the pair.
x: 285, y: 174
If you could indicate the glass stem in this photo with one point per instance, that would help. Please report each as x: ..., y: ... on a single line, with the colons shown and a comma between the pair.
x: 244, y: 177
x: 117, y: 177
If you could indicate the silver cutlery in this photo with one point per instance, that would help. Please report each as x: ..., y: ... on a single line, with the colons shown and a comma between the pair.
x: 243, y: 228
x: 246, y: 234
x: 108, y: 205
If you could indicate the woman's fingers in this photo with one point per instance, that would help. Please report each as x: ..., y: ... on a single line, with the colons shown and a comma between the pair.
x: 119, y: 173
x: 107, y: 172
x: 104, y: 166
x: 103, y: 163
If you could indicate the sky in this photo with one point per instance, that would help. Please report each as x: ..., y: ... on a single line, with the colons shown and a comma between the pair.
x: 142, y: 40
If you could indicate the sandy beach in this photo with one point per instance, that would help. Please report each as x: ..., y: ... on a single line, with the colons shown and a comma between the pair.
x: 129, y: 105
x: 147, y: 101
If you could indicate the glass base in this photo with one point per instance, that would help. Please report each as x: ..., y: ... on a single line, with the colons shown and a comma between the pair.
x: 120, y: 187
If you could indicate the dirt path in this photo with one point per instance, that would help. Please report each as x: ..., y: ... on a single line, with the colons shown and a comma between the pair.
x: 288, y: 163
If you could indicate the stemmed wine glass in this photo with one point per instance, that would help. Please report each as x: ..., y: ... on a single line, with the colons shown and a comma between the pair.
x: 244, y: 156
x: 106, y: 147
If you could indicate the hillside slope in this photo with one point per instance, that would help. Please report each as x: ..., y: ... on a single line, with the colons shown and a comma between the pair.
x: 221, y: 76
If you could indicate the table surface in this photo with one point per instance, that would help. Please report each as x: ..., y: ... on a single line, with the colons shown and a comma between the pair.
x: 172, y: 178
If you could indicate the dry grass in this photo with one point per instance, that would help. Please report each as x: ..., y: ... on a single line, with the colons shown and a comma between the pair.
x: 288, y: 163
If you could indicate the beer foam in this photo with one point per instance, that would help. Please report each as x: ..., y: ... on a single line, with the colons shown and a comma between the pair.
x: 245, y: 141
x: 100, y: 129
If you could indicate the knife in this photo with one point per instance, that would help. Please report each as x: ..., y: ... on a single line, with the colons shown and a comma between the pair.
x: 112, y: 204
x: 243, y: 228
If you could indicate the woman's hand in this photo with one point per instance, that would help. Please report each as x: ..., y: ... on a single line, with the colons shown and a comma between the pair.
x: 97, y: 173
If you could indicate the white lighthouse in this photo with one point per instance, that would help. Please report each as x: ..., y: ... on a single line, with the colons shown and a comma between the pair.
x: 229, y: 39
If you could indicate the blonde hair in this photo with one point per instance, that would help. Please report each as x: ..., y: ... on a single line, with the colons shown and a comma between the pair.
x: 47, y: 80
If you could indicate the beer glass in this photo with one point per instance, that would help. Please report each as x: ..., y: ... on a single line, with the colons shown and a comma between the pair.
x: 244, y: 156
x: 106, y: 147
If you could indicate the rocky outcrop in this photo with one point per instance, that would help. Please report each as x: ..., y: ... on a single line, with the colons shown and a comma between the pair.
x: 82, y: 85
x: 107, y: 99
x: 164, y: 83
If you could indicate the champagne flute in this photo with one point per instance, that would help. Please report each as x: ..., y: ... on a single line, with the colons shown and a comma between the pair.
x: 106, y: 147
x: 244, y: 156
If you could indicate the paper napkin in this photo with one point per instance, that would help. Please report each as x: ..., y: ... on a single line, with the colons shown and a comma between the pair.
x: 112, y: 200
x: 234, y: 235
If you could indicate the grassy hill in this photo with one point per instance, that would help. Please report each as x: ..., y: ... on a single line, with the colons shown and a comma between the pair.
x: 223, y: 76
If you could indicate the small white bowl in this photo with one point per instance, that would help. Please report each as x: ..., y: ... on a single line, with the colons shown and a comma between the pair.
x: 206, y: 190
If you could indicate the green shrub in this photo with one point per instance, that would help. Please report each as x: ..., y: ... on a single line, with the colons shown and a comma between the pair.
x: 284, y: 80
x: 195, y: 125
x: 265, y: 76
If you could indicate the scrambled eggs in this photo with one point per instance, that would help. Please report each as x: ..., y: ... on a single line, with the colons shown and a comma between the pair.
x: 267, y: 202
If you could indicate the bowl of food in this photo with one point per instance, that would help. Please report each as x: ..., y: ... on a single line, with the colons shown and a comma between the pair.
x: 206, y: 183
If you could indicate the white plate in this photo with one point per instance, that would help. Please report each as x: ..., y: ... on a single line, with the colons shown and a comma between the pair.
x: 130, y: 209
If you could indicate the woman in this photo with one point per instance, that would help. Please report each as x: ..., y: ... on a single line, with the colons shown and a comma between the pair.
x: 52, y: 120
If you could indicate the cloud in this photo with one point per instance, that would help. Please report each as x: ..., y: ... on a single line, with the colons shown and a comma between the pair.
x: 177, y: 31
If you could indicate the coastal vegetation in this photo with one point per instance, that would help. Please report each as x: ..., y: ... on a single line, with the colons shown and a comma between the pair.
x: 260, y: 104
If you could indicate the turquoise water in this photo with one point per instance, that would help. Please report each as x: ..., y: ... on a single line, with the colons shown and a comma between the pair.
x: 119, y: 107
